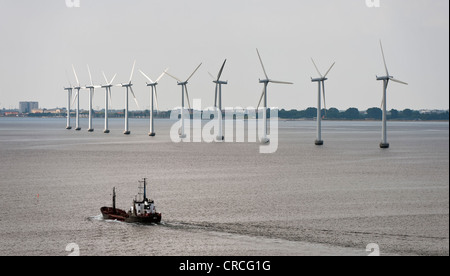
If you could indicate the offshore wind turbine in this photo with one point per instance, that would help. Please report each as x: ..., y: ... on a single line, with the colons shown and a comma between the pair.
x: 69, y: 96
x: 129, y: 87
x: 266, y: 82
x: 153, y: 97
x: 384, y: 144
x: 107, y: 87
x: 77, y: 97
x: 218, y: 99
x: 321, y: 83
x: 183, y: 85
x: 91, y: 88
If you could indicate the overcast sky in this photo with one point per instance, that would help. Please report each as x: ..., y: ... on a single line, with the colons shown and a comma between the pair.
x: 41, y: 39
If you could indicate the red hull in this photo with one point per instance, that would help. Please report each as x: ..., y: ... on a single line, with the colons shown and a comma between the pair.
x: 121, y: 215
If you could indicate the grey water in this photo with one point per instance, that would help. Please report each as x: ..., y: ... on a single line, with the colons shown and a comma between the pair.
x: 225, y: 198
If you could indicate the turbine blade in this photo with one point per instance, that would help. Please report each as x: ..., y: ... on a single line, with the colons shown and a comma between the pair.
x: 281, y: 82
x: 134, y: 96
x: 384, y: 59
x: 110, y: 96
x: 132, y: 71
x: 395, y: 80
x: 194, y: 72
x: 75, y: 73
x: 221, y: 70
x: 324, y: 98
x: 187, y: 97
x: 215, y: 99
x: 112, y: 79
x: 212, y: 77
x: 326, y: 74
x: 383, y: 101
x: 162, y: 75
x: 317, y: 69
x: 90, y: 76
x: 156, y: 99
x: 262, y: 64
x: 147, y: 77
x: 104, y: 76
x: 175, y: 78
x: 75, y: 97
x: 260, y: 100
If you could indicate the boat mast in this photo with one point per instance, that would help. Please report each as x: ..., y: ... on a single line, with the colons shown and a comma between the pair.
x: 114, y: 199
x: 145, y: 189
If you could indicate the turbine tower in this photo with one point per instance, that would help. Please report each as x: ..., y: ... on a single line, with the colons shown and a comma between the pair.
x: 154, y: 96
x: 384, y: 144
x: 129, y: 87
x: 219, y: 84
x: 183, y: 85
x: 77, y: 97
x: 69, y: 96
x: 266, y: 82
x: 321, y: 83
x: 107, y: 87
x: 91, y: 88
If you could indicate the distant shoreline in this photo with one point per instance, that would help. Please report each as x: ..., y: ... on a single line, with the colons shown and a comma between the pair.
x: 280, y: 119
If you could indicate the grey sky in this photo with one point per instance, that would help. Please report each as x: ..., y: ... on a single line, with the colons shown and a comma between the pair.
x: 40, y: 39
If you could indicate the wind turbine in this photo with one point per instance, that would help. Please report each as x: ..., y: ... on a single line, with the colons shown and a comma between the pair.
x: 183, y: 85
x: 107, y: 87
x: 91, y: 88
x: 154, y: 96
x: 266, y: 82
x: 219, y: 84
x: 321, y: 83
x: 69, y: 96
x: 77, y: 97
x: 384, y: 144
x: 129, y: 87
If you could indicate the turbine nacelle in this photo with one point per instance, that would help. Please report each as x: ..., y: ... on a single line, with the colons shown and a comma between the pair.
x: 318, y: 79
x: 152, y: 84
x: 126, y: 84
x: 220, y: 82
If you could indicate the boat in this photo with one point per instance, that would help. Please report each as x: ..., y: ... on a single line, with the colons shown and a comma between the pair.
x: 143, y: 209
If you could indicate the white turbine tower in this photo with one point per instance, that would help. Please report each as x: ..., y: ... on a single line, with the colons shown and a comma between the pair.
x: 321, y: 83
x: 153, y: 97
x: 129, y: 87
x: 266, y: 82
x: 77, y: 97
x: 218, y: 99
x: 107, y: 87
x: 183, y: 85
x: 91, y: 88
x: 69, y: 97
x: 384, y: 144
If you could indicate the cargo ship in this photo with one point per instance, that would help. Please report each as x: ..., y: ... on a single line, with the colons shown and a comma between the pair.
x: 143, y: 209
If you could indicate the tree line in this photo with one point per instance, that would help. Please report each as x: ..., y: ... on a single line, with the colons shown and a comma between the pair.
x: 370, y: 114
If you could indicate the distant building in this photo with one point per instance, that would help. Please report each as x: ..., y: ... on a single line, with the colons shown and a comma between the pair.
x: 27, y: 107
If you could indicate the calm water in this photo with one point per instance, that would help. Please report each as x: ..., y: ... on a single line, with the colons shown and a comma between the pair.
x: 225, y: 198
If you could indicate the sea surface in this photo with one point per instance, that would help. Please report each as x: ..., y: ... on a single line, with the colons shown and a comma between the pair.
x: 225, y: 198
